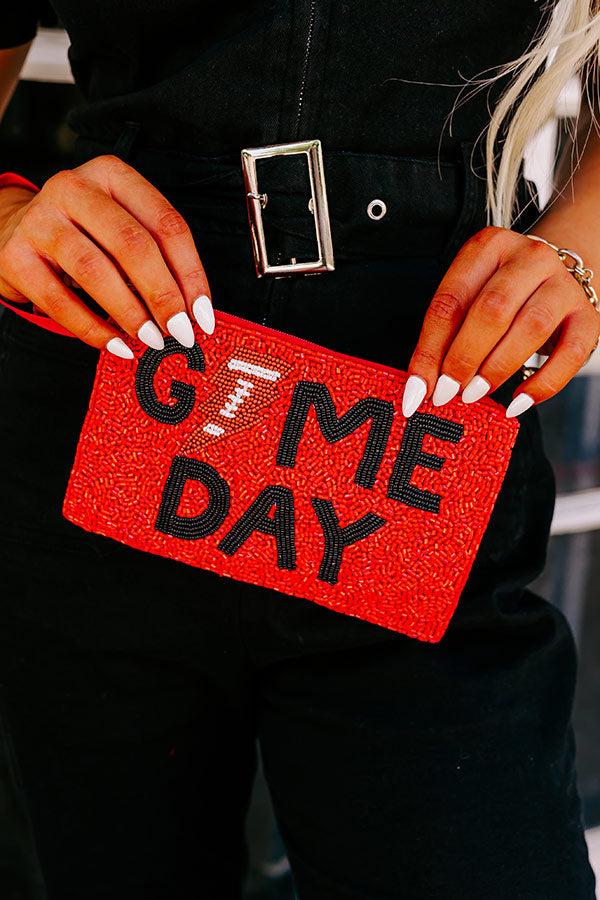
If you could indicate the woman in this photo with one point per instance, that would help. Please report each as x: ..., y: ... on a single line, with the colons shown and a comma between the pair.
x: 135, y: 686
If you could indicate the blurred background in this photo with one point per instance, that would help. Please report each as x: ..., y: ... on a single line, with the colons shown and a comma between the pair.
x: 35, y: 119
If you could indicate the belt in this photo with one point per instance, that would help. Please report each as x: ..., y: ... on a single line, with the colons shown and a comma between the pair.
x: 366, y: 205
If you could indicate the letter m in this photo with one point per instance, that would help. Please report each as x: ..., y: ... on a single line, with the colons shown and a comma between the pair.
x: 334, y: 428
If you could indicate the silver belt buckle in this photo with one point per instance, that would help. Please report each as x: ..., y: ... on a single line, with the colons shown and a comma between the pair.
x: 317, y: 205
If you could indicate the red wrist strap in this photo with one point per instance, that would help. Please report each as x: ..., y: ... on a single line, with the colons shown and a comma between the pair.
x: 11, y: 179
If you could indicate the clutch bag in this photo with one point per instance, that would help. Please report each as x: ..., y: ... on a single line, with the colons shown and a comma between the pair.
x: 274, y: 461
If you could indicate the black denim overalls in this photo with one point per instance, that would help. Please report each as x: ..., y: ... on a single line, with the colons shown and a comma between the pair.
x: 135, y: 687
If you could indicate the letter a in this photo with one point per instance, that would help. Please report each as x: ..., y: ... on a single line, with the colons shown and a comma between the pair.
x: 256, y: 518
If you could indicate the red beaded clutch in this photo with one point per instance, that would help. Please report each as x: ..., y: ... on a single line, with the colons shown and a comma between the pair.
x: 277, y: 462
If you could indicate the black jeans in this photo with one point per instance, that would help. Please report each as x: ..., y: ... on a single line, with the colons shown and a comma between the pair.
x: 134, y: 687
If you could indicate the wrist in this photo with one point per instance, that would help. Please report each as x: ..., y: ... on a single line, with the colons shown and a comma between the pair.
x: 15, y: 192
x: 13, y: 195
x: 11, y: 200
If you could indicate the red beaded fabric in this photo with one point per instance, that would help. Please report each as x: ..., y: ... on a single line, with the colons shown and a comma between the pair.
x: 280, y: 463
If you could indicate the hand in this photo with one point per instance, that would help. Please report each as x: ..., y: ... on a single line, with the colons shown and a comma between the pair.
x: 503, y: 298
x: 113, y: 233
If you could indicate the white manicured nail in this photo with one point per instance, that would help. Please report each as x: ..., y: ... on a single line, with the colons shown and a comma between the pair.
x: 150, y: 335
x: 203, y: 313
x: 180, y: 327
x: 445, y: 390
x: 475, y: 390
x: 119, y: 348
x: 414, y: 393
x: 519, y: 405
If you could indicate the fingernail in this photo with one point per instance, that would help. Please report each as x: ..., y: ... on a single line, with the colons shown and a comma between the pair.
x: 203, y: 313
x: 150, y: 335
x: 519, y: 405
x: 180, y: 327
x: 119, y: 348
x: 414, y: 392
x: 445, y: 389
x: 475, y: 390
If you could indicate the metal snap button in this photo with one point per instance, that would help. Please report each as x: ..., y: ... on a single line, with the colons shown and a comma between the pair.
x: 376, y: 209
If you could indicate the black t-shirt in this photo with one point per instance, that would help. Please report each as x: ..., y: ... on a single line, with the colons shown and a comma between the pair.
x: 375, y: 76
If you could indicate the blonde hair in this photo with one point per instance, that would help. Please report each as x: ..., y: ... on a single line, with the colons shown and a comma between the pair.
x: 569, y: 44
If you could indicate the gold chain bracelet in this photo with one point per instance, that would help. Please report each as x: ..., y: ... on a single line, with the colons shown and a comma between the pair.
x: 579, y: 272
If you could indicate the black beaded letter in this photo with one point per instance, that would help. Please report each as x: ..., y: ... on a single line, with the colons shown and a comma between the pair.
x: 411, y: 455
x: 182, y: 392
x: 307, y: 394
x: 337, y: 539
x: 281, y: 525
x: 191, y: 528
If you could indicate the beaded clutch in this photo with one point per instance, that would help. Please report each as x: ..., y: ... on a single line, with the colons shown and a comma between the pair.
x: 274, y: 461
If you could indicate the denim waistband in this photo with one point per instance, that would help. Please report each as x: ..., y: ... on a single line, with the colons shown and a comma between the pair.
x: 431, y: 206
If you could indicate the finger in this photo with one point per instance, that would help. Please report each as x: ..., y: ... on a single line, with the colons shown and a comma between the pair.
x: 534, y: 324
x: 473, y: 266
x: 577, y: 337
x: 93, y: 271
x: 505, y: 302
x: 35, y: 279
x: 170, y: 231
x: 125, y: 239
